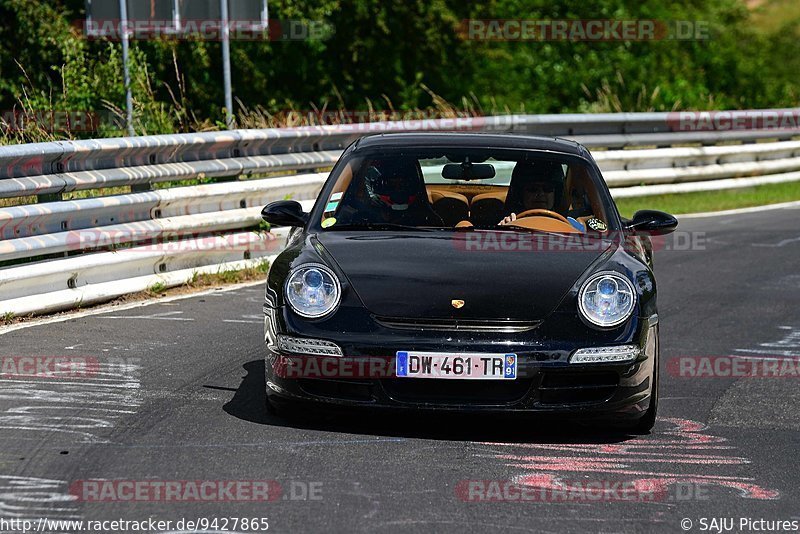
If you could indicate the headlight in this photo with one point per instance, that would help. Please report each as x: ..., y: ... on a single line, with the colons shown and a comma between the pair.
x: 607, y: 299
x: 312, y: 290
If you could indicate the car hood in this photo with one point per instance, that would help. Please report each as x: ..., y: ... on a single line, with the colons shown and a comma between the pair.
x: 498, y: 275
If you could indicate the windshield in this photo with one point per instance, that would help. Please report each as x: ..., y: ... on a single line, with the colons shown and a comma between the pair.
x: 480, y: 188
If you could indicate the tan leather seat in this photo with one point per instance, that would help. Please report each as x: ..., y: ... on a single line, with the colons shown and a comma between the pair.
x: 451, y: 207
x: 487, y: 208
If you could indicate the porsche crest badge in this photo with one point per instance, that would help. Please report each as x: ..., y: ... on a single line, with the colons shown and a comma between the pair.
x: 457, y: 304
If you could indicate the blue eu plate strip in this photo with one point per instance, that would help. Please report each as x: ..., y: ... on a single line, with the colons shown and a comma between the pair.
x: 510, y: 366
x: 402, y: 364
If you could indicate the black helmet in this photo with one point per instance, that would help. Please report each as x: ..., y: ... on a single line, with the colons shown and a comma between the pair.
x: 392, y: 185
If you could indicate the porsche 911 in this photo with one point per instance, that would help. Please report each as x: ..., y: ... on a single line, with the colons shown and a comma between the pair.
x: 467, y: 272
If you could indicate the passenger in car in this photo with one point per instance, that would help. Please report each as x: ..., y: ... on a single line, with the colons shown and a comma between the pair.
x: 533, y: 186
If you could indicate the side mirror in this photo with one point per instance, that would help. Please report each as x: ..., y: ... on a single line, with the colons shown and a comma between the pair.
x: 284, y: 213
x: 651, y: 222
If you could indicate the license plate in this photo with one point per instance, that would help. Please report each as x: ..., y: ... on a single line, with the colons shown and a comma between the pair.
x: 476, y: 366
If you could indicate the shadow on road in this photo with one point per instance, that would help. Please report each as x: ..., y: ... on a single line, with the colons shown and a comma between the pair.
x: 249, y: 404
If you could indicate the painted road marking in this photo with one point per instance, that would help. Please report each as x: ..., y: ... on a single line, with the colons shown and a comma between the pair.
x: 788, y: 345
x: 781, y: 243
x: 108, y: 308
x: 636, y: 461
x: 166, y: 316
x: 251, y: 319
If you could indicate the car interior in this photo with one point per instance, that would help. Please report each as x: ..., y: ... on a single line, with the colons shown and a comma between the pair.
x: 478, y: 201
x: 464, y: 205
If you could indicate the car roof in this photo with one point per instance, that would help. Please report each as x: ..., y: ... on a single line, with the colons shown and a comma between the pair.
x: 471, y: 139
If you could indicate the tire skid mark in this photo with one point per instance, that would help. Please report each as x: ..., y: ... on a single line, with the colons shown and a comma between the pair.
x: 88, y: 409
x: 32, y: 498
x: 62, y: 413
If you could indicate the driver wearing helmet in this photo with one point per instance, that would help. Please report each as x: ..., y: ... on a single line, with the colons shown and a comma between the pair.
x: 390, y: 191
x: 394, y: 192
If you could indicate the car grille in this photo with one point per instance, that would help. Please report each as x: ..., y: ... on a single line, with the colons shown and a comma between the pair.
x: 462, y: 325
x: 457, y: 392
x: 577, y: 388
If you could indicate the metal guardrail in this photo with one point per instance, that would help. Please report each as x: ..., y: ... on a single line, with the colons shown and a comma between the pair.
x: 65, y: 243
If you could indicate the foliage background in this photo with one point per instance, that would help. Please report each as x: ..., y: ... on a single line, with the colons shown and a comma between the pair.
x: 401, y: 55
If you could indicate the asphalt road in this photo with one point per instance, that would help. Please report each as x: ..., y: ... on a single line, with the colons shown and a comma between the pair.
x: 174, y: 393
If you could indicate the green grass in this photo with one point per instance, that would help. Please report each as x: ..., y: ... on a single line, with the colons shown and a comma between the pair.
x: 771, y: 16
x: 712, y: 200
x: 157, y: 289
x: 230, y: 276
x: 17, y: 201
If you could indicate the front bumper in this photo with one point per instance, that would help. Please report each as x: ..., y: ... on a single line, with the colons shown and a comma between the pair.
x: 546, y: 382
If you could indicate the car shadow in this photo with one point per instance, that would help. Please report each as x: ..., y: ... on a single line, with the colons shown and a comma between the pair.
x: 249, y: 403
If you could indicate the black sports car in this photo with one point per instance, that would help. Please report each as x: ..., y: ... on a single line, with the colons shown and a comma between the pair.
x: 465, y: 272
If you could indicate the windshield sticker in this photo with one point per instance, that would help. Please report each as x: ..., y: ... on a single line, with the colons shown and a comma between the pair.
x: 330, y: 221
x: 331, y: 206
x: 335, y: 196
x: 596, y: 224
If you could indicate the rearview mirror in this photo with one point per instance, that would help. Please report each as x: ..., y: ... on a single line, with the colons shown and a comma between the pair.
x: 468, y: 171
x: 285, y: 213
x: 651, y: 222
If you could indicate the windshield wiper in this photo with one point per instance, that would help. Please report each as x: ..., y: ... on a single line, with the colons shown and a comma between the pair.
x: 382, y: 226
